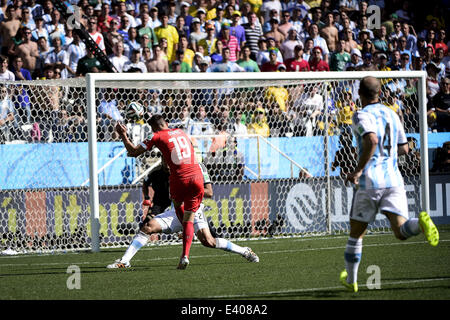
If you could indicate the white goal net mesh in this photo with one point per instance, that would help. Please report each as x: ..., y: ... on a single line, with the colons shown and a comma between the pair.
x: 276, y: 151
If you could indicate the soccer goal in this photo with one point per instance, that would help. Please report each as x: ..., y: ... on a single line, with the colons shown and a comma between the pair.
x: 276, y: 145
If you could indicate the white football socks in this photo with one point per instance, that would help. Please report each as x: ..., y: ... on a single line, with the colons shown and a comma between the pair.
x: 410, y: 228
x: 138, y: 242
x: 226, y: 245
x: 352, y: 256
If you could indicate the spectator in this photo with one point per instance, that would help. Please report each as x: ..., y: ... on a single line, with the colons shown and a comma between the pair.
x: 319, y: 41
x: 367, y: 64
x: 381, y: 43
x: 316, y: 13
x: 286, y: 24
x: 409, y: 164
x: 405, y: 13
x: 330, y: 33
x: 438, y: 59
x: 209, y: 42
x: 135, y: 62
x: 47, y: 11
x: 9, y: 28
x: 346, y: 158
x: 109, y: 111
x: 253, y: 32
x: 188, y: 54
x: 272, y: 14
x: 308, y: 108
x: 230, y: 42
x: 274, y: 33
x: 122, y: 12
x: 55, y: 27
x: 20, y: 73
x: 168, y: 32
x: 7, y: 113
x: 363, y: 27
x: 395, y: 62
x: 441, y: 162
x: 307, y: 51
x: 404, y: 62
x: 345, y: 109
x: 28, y: 51
x: 175, y: 66
x: 391, y: 101
x: 239, y: 123
x: 27, y: 19
x: 172, y: 13
x: 287, y: 47
x: 159, y: 63
x: 124, y: 27
x: 196, y: 34
x: 226, y: 65
x: 182, y: 120
x: 350, y: 43
x: 340, y: 57
x: 202, y: 125
x: 89, y: 64
x: 273, y: 63
x: 5, y: 74
x: 402, y: 48
x: 316, y: 63
x: 236, y: 29
x: 432, y: 79
x: 227, y: 164
x: 118, y: 59
x: 184, y: 12
x: 259, y: 124
x: 246, y: 62
x: 104, y: 19
x: 95, y: 35
x: 441, y: 41
x: 297, y: 63
x: 441, y: 105
x: 296, y: 19
x: 304, y: 33
x: 58, y: 58
x: 397, y: 33
x: 39, y: 30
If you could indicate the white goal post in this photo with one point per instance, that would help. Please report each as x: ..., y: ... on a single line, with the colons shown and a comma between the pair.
x: 183, y: 80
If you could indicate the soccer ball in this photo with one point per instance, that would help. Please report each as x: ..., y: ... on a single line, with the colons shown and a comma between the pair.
x: 134, y: 111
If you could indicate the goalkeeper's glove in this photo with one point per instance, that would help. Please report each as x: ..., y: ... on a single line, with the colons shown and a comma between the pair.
x: 147, y: 202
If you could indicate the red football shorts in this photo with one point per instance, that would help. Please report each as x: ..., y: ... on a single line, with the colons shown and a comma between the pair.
x: 189, y: 191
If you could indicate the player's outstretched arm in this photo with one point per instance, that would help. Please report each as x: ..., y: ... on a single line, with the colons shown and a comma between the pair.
x: 132, y: 150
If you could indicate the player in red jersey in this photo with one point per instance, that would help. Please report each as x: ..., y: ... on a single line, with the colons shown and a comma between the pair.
x: 186, y: 178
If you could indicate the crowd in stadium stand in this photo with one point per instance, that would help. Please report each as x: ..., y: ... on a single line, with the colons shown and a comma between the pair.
x: 224, y: 36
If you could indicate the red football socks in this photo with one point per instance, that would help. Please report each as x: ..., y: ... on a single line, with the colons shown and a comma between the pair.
x: 188, y: 235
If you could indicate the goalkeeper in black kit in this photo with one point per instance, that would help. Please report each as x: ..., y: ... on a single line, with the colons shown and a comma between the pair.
x: 157, y: 219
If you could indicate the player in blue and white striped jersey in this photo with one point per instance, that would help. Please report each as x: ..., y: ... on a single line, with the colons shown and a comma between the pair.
x: 379, y: 184
x: 381, y: 171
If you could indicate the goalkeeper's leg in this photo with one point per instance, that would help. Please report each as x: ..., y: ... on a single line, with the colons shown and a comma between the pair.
x: 149, y: 226
x: 205, y: 237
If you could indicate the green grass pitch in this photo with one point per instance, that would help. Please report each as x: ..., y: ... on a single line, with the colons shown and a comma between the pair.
x: 294, y: 268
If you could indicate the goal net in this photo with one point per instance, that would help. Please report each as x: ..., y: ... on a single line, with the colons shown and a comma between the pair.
x: 277, y: 147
